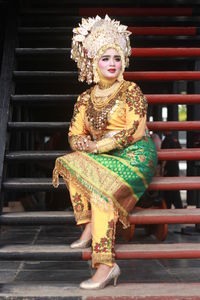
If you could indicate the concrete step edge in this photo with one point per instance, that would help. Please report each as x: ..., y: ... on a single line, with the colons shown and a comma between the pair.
x: 122, y: 251
x: 132, y: 291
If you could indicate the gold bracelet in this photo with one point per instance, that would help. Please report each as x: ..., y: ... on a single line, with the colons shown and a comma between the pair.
x: 96, y: 150
x: 106, y: 145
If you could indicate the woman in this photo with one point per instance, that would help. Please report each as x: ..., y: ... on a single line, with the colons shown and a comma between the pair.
x: 114, y: 158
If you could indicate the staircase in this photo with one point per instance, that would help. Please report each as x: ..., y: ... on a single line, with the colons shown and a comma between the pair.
x: 38, y: 88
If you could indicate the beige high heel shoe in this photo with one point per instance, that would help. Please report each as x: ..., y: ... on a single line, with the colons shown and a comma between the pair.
x: 81, y: 244
x: 113, y: 274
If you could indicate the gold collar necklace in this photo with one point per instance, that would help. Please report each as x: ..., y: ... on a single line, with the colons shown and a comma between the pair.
x: 102, y: 101
x: 98, y: 92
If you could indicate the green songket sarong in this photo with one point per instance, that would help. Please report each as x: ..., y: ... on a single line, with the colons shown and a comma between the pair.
x: 120, y: 176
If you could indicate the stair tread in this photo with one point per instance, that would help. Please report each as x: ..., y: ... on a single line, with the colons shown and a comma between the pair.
x: 141, y: 52
x: 156, y: 125
x: 151, y: 98
x: 158, y: 183
x: 136, y: 29
x: 138, y: 216
x: 122, y: 251
x: 44, y: 96
x: 110, y: 10
x: 134, y: 291
x: 161, y: 247
x: 163, y: 154
x: 136, y: 75
x: 128, y: 20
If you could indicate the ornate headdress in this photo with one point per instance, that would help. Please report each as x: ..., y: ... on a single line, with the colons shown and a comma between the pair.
x: 92, y: 38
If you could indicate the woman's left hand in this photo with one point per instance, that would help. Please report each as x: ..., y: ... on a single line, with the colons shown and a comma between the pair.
x: 92, y: 146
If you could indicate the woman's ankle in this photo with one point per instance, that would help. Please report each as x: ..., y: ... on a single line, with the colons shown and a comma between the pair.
x: 86, y: 234
x: 101, y: 273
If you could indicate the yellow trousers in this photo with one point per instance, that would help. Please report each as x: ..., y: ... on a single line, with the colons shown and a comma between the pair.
x: 103, y: 225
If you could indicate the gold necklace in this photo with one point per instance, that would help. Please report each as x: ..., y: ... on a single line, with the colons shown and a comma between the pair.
x: 104, y: 84
x: 97, y: 113
x: 106, y: 92
x: 100, y: 102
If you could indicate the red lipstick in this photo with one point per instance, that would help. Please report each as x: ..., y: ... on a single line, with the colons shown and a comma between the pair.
x: 111, y: 70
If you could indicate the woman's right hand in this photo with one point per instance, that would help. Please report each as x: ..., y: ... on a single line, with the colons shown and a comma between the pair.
x: 83, y: 143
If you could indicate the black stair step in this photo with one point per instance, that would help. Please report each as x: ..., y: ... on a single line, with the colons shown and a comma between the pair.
x: 138, y: 216
x: 158, y: 183
x: 105, y: 3
x: 163, y: 154
x: 34, y: 155
x: 157, y: 125
x: 111, y: 10
x: 44, y: 20
x: 46, y: 29
x: 38, y: 218
x: 31, y: 51
x: 69, y: 11
x: 38, y: 125
x: 47, y: 40
x: 68, y: 30
x: 137, y: 52
x: 47, y: 99
x: 43, y: 74
x: 67, y: 98
x: 125, y: 251
x: 128, y: 20
x: 142, y: 75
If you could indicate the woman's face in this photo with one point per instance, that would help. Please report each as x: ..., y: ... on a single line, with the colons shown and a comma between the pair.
x: 110, y: 64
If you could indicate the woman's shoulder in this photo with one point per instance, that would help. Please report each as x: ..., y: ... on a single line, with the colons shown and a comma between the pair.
x: 132, y: 87
x: 84, y: 97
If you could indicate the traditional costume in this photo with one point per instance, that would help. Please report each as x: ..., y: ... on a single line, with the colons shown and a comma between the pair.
x: 105, y: 186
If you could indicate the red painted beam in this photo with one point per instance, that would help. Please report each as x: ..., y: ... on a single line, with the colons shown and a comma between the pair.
x: 165, y: 52
x: 179, y: 154
x: 175, y: 183
x: 181, y: 251
x: 173, y: 99
x: 162, y: 75
x: 173, y: 125
x: 152, y: 251
x: 165, y: 216
x: 163, y: 30
x: 135, y: 11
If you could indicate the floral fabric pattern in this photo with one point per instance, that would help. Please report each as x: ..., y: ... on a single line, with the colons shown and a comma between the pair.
x: 106, y: 244
x: 78, y: 205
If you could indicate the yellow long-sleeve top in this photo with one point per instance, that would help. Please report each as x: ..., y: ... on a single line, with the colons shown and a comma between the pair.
x: 124, y: 119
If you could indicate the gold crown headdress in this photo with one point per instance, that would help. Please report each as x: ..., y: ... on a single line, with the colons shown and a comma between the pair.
x: 92, y: 38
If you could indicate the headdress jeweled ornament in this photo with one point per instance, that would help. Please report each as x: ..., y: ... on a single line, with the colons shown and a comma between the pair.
x: 92, y: 38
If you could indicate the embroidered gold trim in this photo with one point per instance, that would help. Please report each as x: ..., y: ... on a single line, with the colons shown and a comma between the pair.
x: 67, y: 176
x: 83, y: 217
x: 102, y: 258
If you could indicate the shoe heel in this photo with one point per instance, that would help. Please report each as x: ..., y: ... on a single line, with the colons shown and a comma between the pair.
x: 115, y: 280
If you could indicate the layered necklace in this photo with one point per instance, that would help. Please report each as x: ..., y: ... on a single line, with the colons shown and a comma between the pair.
x: 102, y: 103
